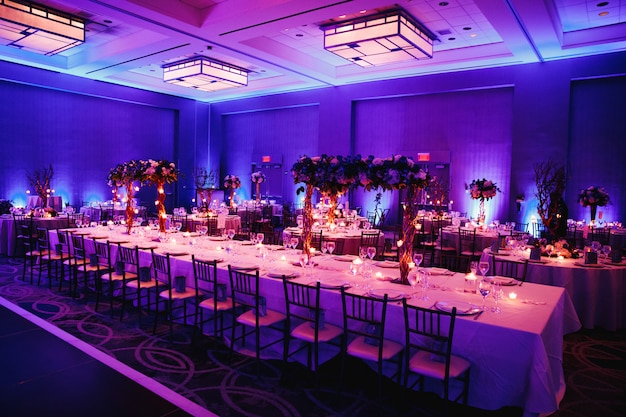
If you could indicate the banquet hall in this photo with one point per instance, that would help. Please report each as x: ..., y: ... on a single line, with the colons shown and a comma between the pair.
x: 480, y: 91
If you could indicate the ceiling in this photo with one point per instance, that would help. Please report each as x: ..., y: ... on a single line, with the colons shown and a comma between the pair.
x: 281, y: 45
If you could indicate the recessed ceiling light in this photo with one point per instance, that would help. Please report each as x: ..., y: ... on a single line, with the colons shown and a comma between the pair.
x: 602, y: 14
x: 473, y: 35
x: 443, y: 3
x: 299, y: 35
x: 467, y: 28
x: 451, y: 39
x: 602, y: 4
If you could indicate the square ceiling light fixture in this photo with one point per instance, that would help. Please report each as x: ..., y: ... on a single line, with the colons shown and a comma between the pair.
x: 37, y: 28
x: 204, y: 74
x: 379, y: 39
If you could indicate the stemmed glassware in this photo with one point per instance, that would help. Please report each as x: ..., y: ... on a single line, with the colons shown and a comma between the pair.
x: 324, y: 247
x: 484, y: 287
x: 473, y: 267
x: 371, y: 252
x: 483, y: 267
x: 259, y: 237
x: 424, y: 283
x: 417, y: 259
x: 498, y: 293
x: 596, y: 246
x: 231, y: 234
x: 294, y: 242
x: 606, y: 249
x: 331, y: 247
x: 413, y: 281
x: 363, y: 252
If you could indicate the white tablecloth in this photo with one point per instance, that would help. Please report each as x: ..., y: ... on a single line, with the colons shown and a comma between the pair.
x: 351, y: 239
x: 516, y: 356
x: 7, y: 230
x: 598, y: 293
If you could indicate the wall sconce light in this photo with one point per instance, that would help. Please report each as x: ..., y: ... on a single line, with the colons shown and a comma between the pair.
x: 37, y: 28
x: 204, y: 74
x: 379, y: 39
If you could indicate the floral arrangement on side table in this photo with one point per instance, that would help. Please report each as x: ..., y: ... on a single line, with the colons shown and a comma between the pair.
x: 40, y: 180
x: 482, y: 190
x: 232, y: 182
x: 593, y: 197
x: 257, y: 178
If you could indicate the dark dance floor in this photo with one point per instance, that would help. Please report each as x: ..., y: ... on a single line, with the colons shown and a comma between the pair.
x: 98, y: 366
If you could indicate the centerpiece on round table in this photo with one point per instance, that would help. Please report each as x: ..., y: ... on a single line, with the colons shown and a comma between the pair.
x: 257, y: 178
x: 232, y: 182
x: 125, y: 175
x: 337, y: 174
x: 40, y: 181
x: 482, y: 190
x: 160, y: 173
x: 306, y: 170
x: 399, y: 173
x: 593, y: 197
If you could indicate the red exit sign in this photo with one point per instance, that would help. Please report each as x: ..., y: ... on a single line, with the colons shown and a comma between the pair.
x: 423, y: 157
x: 266, y: 158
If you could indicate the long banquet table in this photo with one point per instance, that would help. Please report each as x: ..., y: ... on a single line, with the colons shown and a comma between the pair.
x: 597, y: 291
x: 516, y: 356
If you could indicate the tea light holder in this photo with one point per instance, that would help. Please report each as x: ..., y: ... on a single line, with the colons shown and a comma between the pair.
x: 512, y: 295
x: 283, y: 258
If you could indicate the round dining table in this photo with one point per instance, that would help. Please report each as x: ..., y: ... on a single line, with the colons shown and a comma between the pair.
x: 350, y: 239
x: 598, y: 291
x: 8, y: 230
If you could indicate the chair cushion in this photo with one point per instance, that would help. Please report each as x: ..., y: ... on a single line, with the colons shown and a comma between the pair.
x: 188, y: 293
x: 361, y: 349
x: 112, y: 276
x: 249, y: 318
x: 306, y: 332
x: 422, y: 363
x: 144, y: 284
x: 221, y: 305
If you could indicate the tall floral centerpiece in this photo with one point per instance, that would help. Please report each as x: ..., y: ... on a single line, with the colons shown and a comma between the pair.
x: 398, y: 173
x: 258, y: 178
x: 482, y: 190
x: 232, y: 182
x: 307, y: 170
x: 593, y: 197
x: 125, y: 175
x: 205, y: 182
x: 336, y: 175
x: 160, y: 173
x: 40, y: 180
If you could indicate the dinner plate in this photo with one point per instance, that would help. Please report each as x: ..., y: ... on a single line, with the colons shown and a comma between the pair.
x: 507, y: 282
x: 220, y: 238
x: 463, y: 308
x: 584, y: 265
x: 119, y: 241
x: 245, y: 267
x: 218, y: 260
x: 81, y: 232
x: 392, y: 295
x: 98, y: 236
x: 438, y: 271
x: 345, y: 258
x: 387, y: 264
x: 177, y: 253
x: 280, y: 274
x: 333, y: 284
x: 147, y: 247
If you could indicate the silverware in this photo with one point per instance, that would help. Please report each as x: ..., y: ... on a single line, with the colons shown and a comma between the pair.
x: 478, y: 315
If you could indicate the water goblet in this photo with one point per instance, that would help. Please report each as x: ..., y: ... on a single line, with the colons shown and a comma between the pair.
x: 484, y: 287
x: 354, y: 269
x: 363, y: 252
x: 253, y: 237
x: 178, y: 226
x: 596, y: 246
x: 371, y: 252
x: 483, y: 267
x: 294, y: 242
x: 231, y: 234
x: 331, y: 247
x: 606, y: 249
x: 260, y: 237
x: 473, y: 267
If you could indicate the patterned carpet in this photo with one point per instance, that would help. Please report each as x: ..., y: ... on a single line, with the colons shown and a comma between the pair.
x: 199, y: 369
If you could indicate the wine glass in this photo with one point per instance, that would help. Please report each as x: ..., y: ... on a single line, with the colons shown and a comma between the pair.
x: 354, y: 269
x: 178, y: 226
x: 371, y: 252
x: 417, y: 259
x: 549, y: 250
x: 484, y: 287
x: 413, y: 281
x: 324, y: 247
x: 259, y: 237
x: 483, y: 267
x: 231, y: 234
x: 294, y: 242
x: 424, y: 283
x: 363, y: 252
x: 606, y: 249
x: 497, y: 293
x: 595, y: 246
x: 473, y: 267
x: 331, y: 247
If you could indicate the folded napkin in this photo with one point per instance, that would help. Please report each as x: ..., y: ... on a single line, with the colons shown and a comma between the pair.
x: 387, y: 264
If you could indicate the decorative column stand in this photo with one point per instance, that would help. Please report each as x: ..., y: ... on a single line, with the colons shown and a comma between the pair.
x: 409, y: 216
x: 307, y: 220
x: 481, y: 211
x: 258, y: 192
x: 333, y: 206
x: 130, y: 210
x: 593, y: 208
x: 161, y: 206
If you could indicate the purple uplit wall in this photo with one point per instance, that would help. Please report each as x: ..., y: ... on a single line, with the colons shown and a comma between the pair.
x: 83, y: 128
x: 495, y: 123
